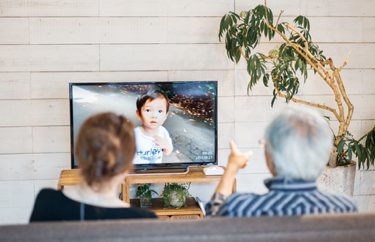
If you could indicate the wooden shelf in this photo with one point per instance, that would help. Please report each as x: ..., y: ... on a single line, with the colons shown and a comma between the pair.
x: 195, y: 174
x: 69, y: 178
x: 159, y: 209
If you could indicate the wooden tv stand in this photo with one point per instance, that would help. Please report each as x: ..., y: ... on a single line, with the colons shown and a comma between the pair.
x: 195, y: 174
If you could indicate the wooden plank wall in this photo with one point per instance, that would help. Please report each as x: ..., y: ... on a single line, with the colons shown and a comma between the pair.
x: 46, y: 44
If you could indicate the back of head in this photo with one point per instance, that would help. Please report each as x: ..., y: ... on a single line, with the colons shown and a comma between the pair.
x: 105, y: 147
x: 300, y: 143
x: 151, y: 95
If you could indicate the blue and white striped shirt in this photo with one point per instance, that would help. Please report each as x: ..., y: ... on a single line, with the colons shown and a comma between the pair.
x: 284, y: 199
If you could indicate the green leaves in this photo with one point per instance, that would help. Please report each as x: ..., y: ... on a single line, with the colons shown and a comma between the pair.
x: 281, y: 28
x: 340, y: 146
x: 350, y: 152
x: 227, y: 21
x: 368, y: 150
x: 302, y: 21
x: 265, y: 79
x: 270, y: 16
x: 145, y: 191
x: 173, y: 191
x: 349, y: 146
x: 148, y: 194
x: 244, y: 32
x: 273, y: 99
x: 256, y: 69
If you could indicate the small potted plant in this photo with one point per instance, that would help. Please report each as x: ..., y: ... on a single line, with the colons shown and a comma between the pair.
x: 175, y: 194
x: 145, y: 195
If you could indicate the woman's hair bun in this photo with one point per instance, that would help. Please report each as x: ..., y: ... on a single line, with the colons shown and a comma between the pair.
x: 105, y: 147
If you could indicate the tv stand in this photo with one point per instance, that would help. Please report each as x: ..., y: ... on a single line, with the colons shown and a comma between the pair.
x: 194, y: 174
x: 167, y: 171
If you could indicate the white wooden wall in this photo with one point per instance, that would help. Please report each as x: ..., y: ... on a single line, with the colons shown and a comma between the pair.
x: 45, y: 44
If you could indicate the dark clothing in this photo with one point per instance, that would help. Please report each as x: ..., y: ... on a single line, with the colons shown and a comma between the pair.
x: 52, y: 205
x: 285, y: 198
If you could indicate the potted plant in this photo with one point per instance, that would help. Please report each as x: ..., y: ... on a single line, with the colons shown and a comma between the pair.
x: 145, y: 195
x: 175, y: 194
x: 242, y: 34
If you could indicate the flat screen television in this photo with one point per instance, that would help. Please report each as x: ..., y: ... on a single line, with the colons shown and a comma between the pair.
x: 191, y: 121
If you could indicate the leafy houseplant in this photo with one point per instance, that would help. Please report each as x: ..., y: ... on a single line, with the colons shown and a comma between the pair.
x: 243, y: 33
x: 145, y: 195
x: 365, y: 153
x: 175, y: 194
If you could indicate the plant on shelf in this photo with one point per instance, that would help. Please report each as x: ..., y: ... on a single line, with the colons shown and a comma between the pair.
x: 145, y: 195
x: 243, y: 33
x: 175, y: 194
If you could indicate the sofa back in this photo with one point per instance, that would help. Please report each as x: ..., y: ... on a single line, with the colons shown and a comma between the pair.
x: 343, y: 227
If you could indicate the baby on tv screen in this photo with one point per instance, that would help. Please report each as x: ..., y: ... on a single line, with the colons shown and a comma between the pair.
x: 175, y: 122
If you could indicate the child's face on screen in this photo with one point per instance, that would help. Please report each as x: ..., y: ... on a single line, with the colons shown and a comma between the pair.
x: 153, y: 113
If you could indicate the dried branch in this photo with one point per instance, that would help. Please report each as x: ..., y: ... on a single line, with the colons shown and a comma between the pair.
x: 281, y: 12
x: 306, y: 49
x: 328, y: 78
x: 345, y: 125
x: 308, y: 103
x: 300, y: 35
x: 345, y: 62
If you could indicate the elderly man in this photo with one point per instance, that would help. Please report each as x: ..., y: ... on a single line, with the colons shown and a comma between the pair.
x: 297, y: 145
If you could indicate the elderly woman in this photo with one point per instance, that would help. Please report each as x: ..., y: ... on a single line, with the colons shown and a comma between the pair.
x: 297, y: 145
x: 105, y: 148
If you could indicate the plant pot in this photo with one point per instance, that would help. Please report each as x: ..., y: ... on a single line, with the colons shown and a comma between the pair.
x: 144, y: 202
x: 175, y: 201
x: 339, y: 179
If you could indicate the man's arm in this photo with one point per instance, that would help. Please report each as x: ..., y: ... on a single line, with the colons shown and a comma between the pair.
x: 237, y: 160
x: 214, y: 206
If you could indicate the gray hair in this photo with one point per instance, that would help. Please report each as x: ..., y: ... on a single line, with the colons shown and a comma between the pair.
x: 300, y: 143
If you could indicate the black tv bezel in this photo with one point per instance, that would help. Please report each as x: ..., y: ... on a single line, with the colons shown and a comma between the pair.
x: 145, y: 166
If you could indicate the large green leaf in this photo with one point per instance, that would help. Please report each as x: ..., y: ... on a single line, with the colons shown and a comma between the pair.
x: 262, y: 26
x: 139, y: 193
x: 340, y: 146
x: 234, y: 14
x: 261, y: 11
x: 148, y: 194
x: 252, y: 22
x: 249, y: 66
x: 222, y: 27
x: 229, y: 21
x: 357, y: 148
x: 265, y: 80
x: 270, y: 16
x: 280, y: 28
x: 247, y: 18
x: 350, y: 154
x: 273, y: 100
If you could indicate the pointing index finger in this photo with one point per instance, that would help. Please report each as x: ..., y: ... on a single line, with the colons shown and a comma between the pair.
x: 233, y: 147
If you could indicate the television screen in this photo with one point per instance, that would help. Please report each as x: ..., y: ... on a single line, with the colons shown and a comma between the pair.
x: 184, y: 135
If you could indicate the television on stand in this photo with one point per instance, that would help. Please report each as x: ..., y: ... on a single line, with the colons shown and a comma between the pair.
x: 189, y: 124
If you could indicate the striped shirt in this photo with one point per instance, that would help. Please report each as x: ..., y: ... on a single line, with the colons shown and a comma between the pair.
x: 283, y: 199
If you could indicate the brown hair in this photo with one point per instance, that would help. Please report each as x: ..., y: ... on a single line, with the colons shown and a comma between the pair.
x: 105, y: 147
x: 151, y: 95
